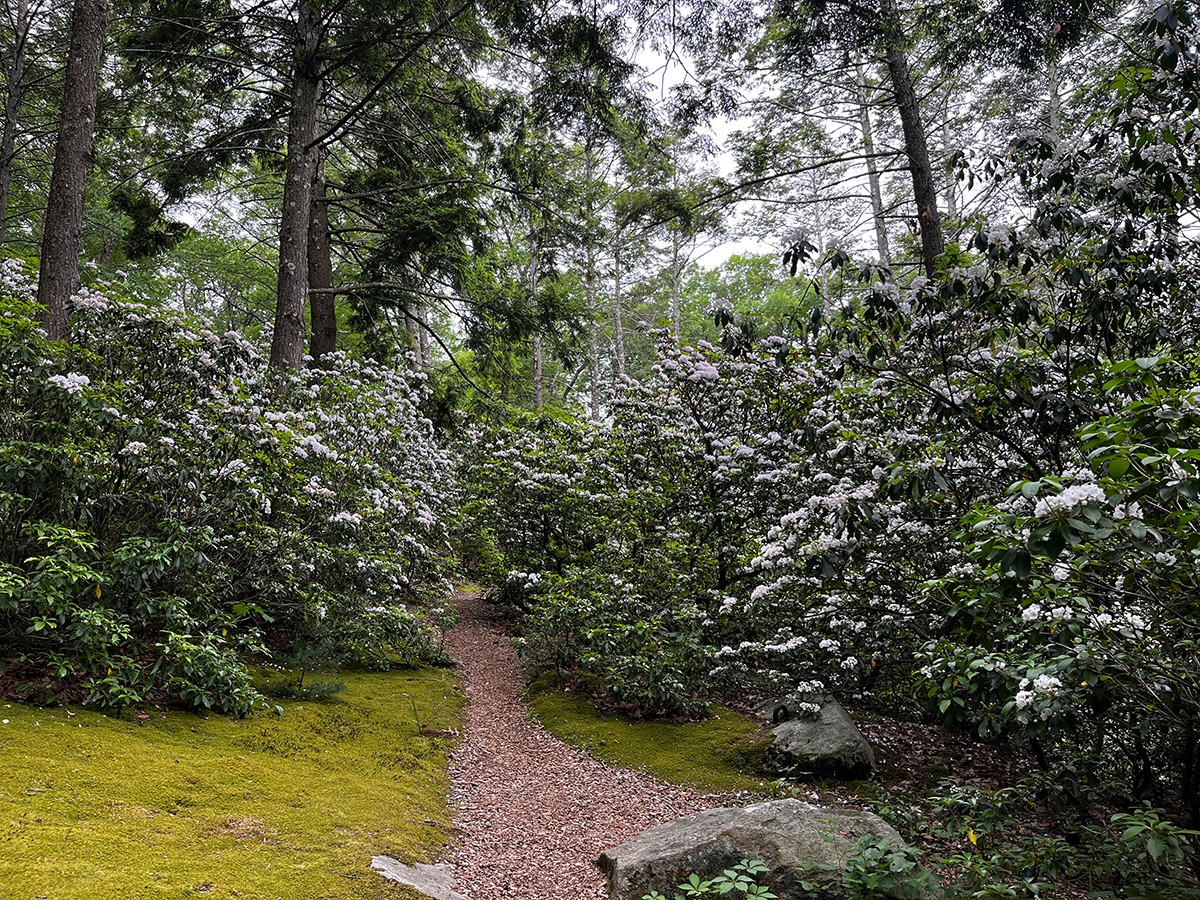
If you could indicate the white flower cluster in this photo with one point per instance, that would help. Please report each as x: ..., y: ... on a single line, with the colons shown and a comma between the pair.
x: 347, y: 518
x: 527, y: 581
x: 1034, y: 612
x: 976, y: 272
x: 240, y: 342
x: 73, y: 383
x: 1068, y: 500
x: 311, y: 444
x: 231, y: 468
x: 15, y: 281
x: 687, y: 367
x: 1048, y: 685
x: 1000, y: 235
x: 314, y: 489
x: 1127, y: 511
x: 85, y: 299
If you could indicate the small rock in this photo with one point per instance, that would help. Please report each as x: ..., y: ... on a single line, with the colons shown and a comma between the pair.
x: 430, y: 880
x: 826, y: 744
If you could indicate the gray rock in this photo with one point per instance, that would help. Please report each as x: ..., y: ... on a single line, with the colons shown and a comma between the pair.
x: 430, y: 880
x: 786, y: 835
x: 827, y: 744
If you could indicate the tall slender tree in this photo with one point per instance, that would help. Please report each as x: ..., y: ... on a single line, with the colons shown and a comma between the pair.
x: 62, y: 230
x: 21, y: 20
x: 288, y: 339
x: 933, y: 241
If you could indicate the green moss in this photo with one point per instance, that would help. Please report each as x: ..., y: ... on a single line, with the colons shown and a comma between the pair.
x: 178, y: 804
x: 722, y: 754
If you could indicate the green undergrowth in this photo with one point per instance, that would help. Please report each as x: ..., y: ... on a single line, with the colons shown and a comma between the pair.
x: 157, y: 803
x: 724, y: 753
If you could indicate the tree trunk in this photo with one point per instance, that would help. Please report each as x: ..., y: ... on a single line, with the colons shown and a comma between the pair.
x: 593, y: 333
x: 538, y: 376
x: 532, y: 276
x: 15, y: 80
x: 947, y: 151
x: 1055, y: 111
x: 590, y: 163
x: 110, y: 245
x: 423, y: 345
x: 287, y: 343
x: 412, y: 325
x: 62, y: 229
x: 322, y: 304
x: 675, y: 284
x: 618, y: 318
x: 933, y: 244
x: 822, y: 244
x: 868, y: 133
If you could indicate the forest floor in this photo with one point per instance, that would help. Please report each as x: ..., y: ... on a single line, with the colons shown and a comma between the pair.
x: 534, y: 812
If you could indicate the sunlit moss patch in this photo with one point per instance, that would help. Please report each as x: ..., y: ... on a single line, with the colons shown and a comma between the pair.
x: 152, y: 803
x: 724, y: 753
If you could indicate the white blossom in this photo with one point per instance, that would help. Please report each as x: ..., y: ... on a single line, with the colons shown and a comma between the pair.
x: 73, y: 383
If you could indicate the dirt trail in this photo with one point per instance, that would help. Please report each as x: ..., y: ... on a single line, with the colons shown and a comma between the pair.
x: 534, y: 813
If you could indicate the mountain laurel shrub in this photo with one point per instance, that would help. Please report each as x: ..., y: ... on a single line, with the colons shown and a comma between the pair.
x: 980, y: 491
x: 170, y: 508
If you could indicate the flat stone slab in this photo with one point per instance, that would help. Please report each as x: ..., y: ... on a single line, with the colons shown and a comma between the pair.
x: 430, y: 880
x: 789, y: 836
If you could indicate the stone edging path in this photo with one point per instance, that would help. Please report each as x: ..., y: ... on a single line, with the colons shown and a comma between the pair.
x: 534, y: 813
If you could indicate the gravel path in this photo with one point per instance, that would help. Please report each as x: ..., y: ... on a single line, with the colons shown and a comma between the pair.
x: 534, y: 813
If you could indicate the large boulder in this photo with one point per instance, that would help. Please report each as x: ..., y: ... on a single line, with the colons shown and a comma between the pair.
x: 795, y: 840
x: 826, y: 743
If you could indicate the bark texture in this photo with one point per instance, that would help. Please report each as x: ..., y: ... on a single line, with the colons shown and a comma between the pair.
x: 322, y: 300
x: 618, y: 318
x: 538, y: 375
x: 593, y: 337
x: 947, y: 152
x: 933, y: 244
x: 287, y: 343
x: 15, y: 79
x: 62, y: 229
x: 868, y: 134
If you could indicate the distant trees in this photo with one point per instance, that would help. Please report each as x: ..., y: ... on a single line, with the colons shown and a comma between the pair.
x: 389, y: 184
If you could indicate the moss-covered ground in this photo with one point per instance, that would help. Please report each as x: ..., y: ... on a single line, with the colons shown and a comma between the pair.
x: 157, y: 803
x: 724, y: 753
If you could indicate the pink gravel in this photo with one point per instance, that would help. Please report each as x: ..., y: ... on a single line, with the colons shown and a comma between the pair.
x: 533, y: 812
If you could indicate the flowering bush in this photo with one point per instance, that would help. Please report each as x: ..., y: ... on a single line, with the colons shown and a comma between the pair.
x: 703, y: 539
x: 985, y: 484
x: 168, y: 506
